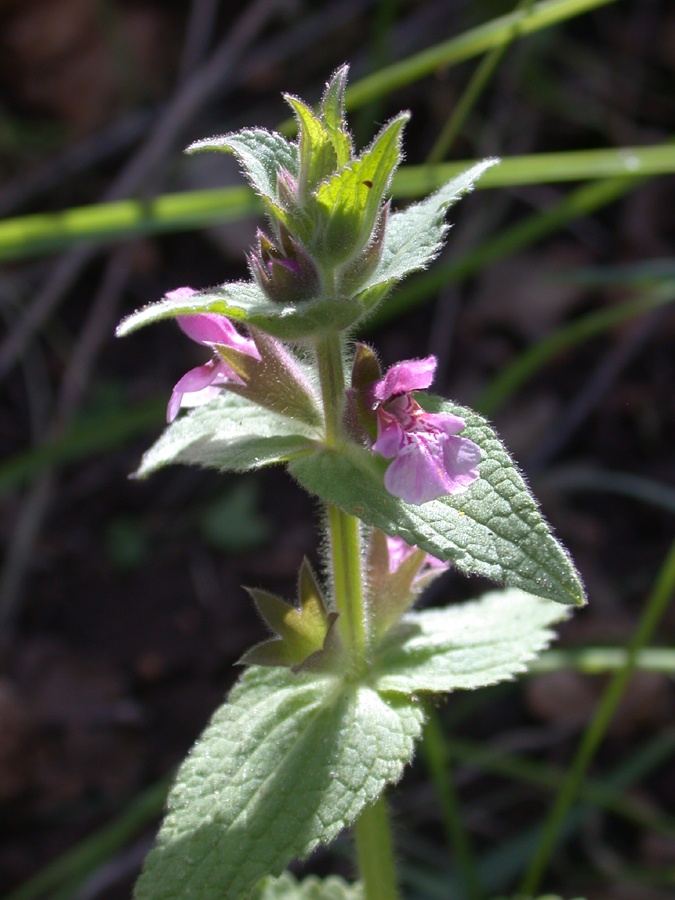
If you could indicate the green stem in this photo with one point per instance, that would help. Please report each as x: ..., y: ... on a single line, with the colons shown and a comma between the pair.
x: 331, y: 375
x: 343, y: 530
x: 371, y: 830
x: 374, y: 848
x: 435, y: 751
x: 345, y: 545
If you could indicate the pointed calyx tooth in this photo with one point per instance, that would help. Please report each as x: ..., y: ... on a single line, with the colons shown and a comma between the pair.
x: 287, y: 272
x: 305, y: 636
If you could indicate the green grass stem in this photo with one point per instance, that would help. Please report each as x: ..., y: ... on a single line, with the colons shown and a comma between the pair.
x: 581, y: 202
x: 475, y: 88
x: 437, y: 758
x: 465, y: 46
x: 536, y: 357
x: 44, y: 233
x: 83, y: 439
x: 598, y: 660
x: 533, y: 772
x: 657, y: 604
x: 82, y: 860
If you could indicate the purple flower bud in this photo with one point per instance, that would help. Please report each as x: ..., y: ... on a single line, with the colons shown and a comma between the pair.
x: 287, y: 274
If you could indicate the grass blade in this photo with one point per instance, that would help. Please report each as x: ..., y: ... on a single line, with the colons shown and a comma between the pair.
x: 465, y: 46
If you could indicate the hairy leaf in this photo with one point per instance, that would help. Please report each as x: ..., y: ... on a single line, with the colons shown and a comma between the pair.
x: 469, y: 645
x: 286, y: 763
x: 333, y: 115
x: 349, y: 202
x: 494, y: 529
x: 287, y: 887
x: 247, y: 303
x: 415, y: 235
x: 317, y: 153
x: 230, y: 434
x: 260, y: 153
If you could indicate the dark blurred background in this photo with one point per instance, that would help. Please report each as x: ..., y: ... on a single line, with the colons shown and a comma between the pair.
x: 121, y: 611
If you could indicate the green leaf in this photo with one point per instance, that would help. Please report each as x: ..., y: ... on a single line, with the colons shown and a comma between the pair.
x: 333, y: 115
x: 237, y: 300
x: 318, y: 158
x: 466, y: 646
x: 415, y: 236
x: 260, y: 153
x: 287, y: 887
x: 286, y: 763
x: 350, y: 201
x: 494, y: 529
x: 230, y: 434
x: 246, y: 302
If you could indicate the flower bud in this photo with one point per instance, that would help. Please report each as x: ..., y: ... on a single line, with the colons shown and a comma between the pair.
x: 287, y: 274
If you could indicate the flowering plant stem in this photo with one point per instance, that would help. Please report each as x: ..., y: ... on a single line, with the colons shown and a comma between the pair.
x: 371, y: 830
x: 375, y: 852
x: 344, y: 530
x: 327, y: 713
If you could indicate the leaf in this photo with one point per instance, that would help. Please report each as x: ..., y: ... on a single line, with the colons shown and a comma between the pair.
x: 349, y: 202
x: 494, y: 529
x: 415, y: 235
x: 286, y: 763
x: 468, y: 646
x: 287, y: 887
x: 317, y: 153
x: 237, y: 300
x: 333, y: 115
x: 260, y: 153
x: 247, y: 303
x: 230, y: 434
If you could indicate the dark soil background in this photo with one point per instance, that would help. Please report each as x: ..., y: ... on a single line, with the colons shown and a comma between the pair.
x: 121, y: 611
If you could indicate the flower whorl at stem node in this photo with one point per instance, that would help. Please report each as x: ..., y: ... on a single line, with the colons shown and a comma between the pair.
x: 428, y: 459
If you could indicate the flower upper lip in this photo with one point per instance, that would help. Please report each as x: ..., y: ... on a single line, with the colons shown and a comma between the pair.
x: 429, y: 460
x: 199, y: 385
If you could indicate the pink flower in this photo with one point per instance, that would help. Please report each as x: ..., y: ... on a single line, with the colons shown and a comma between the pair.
x: 200, y: 385
x: 399, y: 551
x: 429, y: 460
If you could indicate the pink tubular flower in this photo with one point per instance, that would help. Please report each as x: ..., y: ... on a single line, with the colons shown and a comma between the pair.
x: 399, y: 551
x: 429, y: 460
x: 200, y: 385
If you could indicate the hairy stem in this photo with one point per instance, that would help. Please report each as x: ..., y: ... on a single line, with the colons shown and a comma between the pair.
x: 331, y: 375
x: 375, y: 852
x: 343, y: 530
x: 371, y: 830
x: 345, y: 546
